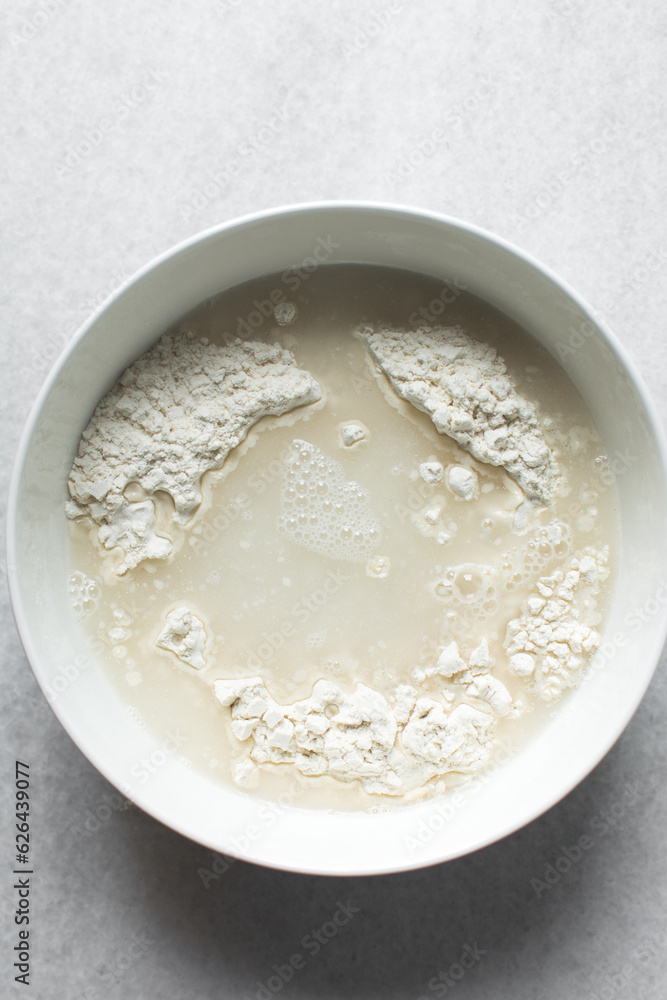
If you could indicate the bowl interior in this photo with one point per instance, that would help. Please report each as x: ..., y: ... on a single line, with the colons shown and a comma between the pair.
x: 233, y: 822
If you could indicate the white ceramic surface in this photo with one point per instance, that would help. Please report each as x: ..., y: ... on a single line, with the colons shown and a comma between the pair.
x: 235, y: 823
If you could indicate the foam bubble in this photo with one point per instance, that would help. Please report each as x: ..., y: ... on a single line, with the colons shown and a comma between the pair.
x: 469, y: 586
x: 316, y: 639
x: 522, y: 565
x: 471, y: 591
x: 322, y: 511
x: 83, y: 593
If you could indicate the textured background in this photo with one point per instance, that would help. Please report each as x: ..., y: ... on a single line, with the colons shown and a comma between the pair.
x: 129, y: 126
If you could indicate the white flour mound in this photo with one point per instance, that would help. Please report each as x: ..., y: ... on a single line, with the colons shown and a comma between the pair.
x: 175, y: 413
x: 464, y: 387
x: 441, y: 723
x: 549, y: 643
x: 184, y: 635
x: 391, y: 750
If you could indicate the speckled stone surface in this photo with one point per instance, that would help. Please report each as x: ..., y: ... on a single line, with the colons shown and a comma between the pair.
x: 130, y: 126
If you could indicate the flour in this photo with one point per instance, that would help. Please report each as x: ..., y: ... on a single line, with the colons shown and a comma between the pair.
x: 390, y: 749
x: 549, y: 643
x: 352, y: 432
x: 474, y: 678
x: 463, y: 482
x: 464, y: 387
x: 431, y: 472
x: 395, y: 750
x: 472, y: 591
x: 285, y: 313
x: 185, y: 636
x: 378, y: 567
x: 357, y: 736
x: 174, y: 414
x: 454, y: 612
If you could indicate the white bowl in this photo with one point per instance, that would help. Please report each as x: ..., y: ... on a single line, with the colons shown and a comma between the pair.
x: 236, y: 823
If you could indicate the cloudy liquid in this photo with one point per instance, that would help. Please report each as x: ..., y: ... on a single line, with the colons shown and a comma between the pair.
x: 456, y: 569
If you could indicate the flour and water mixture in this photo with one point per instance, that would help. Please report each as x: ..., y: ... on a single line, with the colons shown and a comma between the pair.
x: 352, y: 528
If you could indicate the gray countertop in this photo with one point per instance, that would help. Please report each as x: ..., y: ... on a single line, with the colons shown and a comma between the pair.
x: 131, y: 126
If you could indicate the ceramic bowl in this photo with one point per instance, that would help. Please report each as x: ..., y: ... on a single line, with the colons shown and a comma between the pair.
x: 234, y: 822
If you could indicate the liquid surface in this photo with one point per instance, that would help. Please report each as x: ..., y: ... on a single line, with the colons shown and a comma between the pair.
x: 419, y: 568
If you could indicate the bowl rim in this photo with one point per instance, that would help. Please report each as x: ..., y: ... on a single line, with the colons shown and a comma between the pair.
x: 655, y: 431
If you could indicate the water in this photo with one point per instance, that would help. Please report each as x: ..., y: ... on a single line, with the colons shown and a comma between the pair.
x: 412, y: 566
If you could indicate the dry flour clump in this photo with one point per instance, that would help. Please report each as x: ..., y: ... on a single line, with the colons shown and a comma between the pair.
x: 185, y: 636
x: 463, y: 482
x: 464, y: 387
x: 352, y: 433
x: 431, y: 472
x: 175, y: 413
x: 391, y: 750
x: 474, y: 678
x: 549, y: 644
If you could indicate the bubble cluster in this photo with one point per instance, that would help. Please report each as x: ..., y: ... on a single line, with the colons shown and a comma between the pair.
x: 83, y: 594
x: 472, y: 591
x: 322, y: 511
x: 470, y: 586
x: 521, y: 566
x: 332, y: 666
x: 316, y: 639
